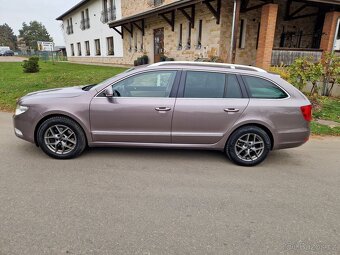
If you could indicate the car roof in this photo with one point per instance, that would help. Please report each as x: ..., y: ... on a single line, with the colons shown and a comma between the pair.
x: 206, y: 66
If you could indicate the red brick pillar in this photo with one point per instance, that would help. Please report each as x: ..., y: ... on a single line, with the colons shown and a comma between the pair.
x: 266, y: 36
x: 328, y: 31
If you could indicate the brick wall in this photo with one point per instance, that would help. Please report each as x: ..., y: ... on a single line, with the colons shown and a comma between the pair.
x: 266, y: 36
x: 329, y: 28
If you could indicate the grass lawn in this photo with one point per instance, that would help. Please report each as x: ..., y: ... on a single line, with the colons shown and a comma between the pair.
x: 14, y: 83
x: 327, y: 109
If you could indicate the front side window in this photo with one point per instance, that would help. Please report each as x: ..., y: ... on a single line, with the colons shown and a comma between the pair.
x: 260, y: 88
x: 204, y: 85
x: 151, y: 84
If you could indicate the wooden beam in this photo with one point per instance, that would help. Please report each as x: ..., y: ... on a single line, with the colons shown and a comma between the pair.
x: 171, y: 20
x: 190, y: 18
x: 119, y: 32
x: 253, y: 7
x: 304, y: 16
x: 217, y: 12
x: 140, y: 27
x: 130, y: 30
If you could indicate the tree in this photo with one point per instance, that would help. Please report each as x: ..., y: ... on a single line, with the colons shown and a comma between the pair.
x: 33, y: 32
x: 7, y: 37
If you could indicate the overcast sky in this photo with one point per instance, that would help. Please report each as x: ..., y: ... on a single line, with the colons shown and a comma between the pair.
x: 15, y: 12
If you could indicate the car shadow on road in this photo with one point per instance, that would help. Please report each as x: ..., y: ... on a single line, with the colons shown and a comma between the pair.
x: 123, y: 153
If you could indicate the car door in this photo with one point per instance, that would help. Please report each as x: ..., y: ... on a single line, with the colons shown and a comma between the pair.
x: 207, y: 106
x: 139, y: 112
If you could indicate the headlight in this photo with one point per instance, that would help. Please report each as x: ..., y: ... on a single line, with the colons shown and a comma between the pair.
x: 20, y: 109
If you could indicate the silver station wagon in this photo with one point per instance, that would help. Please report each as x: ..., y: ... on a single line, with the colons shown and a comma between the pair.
x: 240, y: 110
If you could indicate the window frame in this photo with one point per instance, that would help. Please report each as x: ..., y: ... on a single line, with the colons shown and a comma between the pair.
x: 182, y: 84
x: 173, y: 92
x: 241, y: 78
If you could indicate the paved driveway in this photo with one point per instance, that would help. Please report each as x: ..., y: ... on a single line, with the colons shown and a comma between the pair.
x: 150, y: 201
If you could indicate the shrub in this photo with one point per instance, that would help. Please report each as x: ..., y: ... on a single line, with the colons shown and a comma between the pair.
x: 304, y: 70
x: 282, y: 71
x: 331, y: 72
x: 31, y: 65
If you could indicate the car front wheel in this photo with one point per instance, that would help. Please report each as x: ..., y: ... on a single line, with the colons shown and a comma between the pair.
x: 248, y: 146
x: 61, y: 138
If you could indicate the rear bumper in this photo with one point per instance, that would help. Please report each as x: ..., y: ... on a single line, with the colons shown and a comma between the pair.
x: 292, y: 138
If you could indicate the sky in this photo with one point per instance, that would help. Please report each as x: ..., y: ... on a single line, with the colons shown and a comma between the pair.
x: 15, y: 12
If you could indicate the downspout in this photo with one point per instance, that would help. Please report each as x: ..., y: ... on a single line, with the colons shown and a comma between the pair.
x: 232, y: 33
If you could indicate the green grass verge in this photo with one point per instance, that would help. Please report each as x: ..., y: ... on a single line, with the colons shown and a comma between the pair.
x: 14, y: 83
x: 318, y: 129
x: 329, y: 109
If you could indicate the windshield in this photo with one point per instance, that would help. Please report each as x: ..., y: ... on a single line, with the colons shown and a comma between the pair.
x: 107, y: 80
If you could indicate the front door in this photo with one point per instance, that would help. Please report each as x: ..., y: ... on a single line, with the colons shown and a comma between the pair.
x: 140, y: 112
x: 207, y: 107
x: 158, y: 44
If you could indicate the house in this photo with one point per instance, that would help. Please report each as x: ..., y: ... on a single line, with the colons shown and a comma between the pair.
x: 250, y: 32
x: 88, y: 37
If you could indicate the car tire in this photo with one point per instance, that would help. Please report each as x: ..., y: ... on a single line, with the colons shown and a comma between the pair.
x: 61, y: 138
x: 248, y: 146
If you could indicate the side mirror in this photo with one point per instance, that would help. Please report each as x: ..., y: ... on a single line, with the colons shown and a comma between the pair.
x: 108, y: 92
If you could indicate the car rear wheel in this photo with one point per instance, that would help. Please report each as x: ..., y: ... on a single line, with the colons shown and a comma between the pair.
x: 248, y: 146
x: 61, y: 138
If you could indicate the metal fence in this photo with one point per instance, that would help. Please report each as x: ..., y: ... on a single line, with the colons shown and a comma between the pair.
x: 45, y: 55
x: 285, y: 57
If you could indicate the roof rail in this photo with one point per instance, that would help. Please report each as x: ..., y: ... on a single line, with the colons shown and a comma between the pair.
x: 212, y: 64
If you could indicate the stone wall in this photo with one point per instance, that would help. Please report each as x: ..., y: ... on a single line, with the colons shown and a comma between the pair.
x: 131, y: 7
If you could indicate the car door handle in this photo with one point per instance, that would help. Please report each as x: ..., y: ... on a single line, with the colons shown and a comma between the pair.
x: 231, y: 110
x: 162, y: 109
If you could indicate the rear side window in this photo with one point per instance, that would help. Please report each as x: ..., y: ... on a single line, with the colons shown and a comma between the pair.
x: 260, y: 88
x: 233, y: 87
x: 204, y: 85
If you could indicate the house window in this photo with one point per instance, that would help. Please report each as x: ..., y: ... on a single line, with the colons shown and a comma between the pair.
x: 199, y: 37
x: 109, y: 11
x: 97, y: 45
x: 188, y: 45
x: 258, y: 35
x: 130, y: 42
x: 69, y: 27
x: 85, y: 20
x: 180, y: 37
x: 79, y: 49
x: 155, y: 2
x: 242, y: 38
x: 110, y: 47
x: 87, y: 48
x: 72, y: 49
x: 135, y: 39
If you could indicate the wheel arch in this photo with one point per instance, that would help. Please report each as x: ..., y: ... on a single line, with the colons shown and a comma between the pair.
x: 46, y: 117
x: 257, y: 124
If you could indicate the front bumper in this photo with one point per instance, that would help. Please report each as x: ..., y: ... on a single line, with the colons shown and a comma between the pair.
x: 24, y: 125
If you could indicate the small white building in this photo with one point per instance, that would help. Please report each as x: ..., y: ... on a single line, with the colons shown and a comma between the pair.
x: 88, y: 37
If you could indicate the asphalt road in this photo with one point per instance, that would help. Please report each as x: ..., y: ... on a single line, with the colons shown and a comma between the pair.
x: 151, y: 201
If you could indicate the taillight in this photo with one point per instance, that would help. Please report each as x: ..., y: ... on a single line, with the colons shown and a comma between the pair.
x: 307, y: 112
